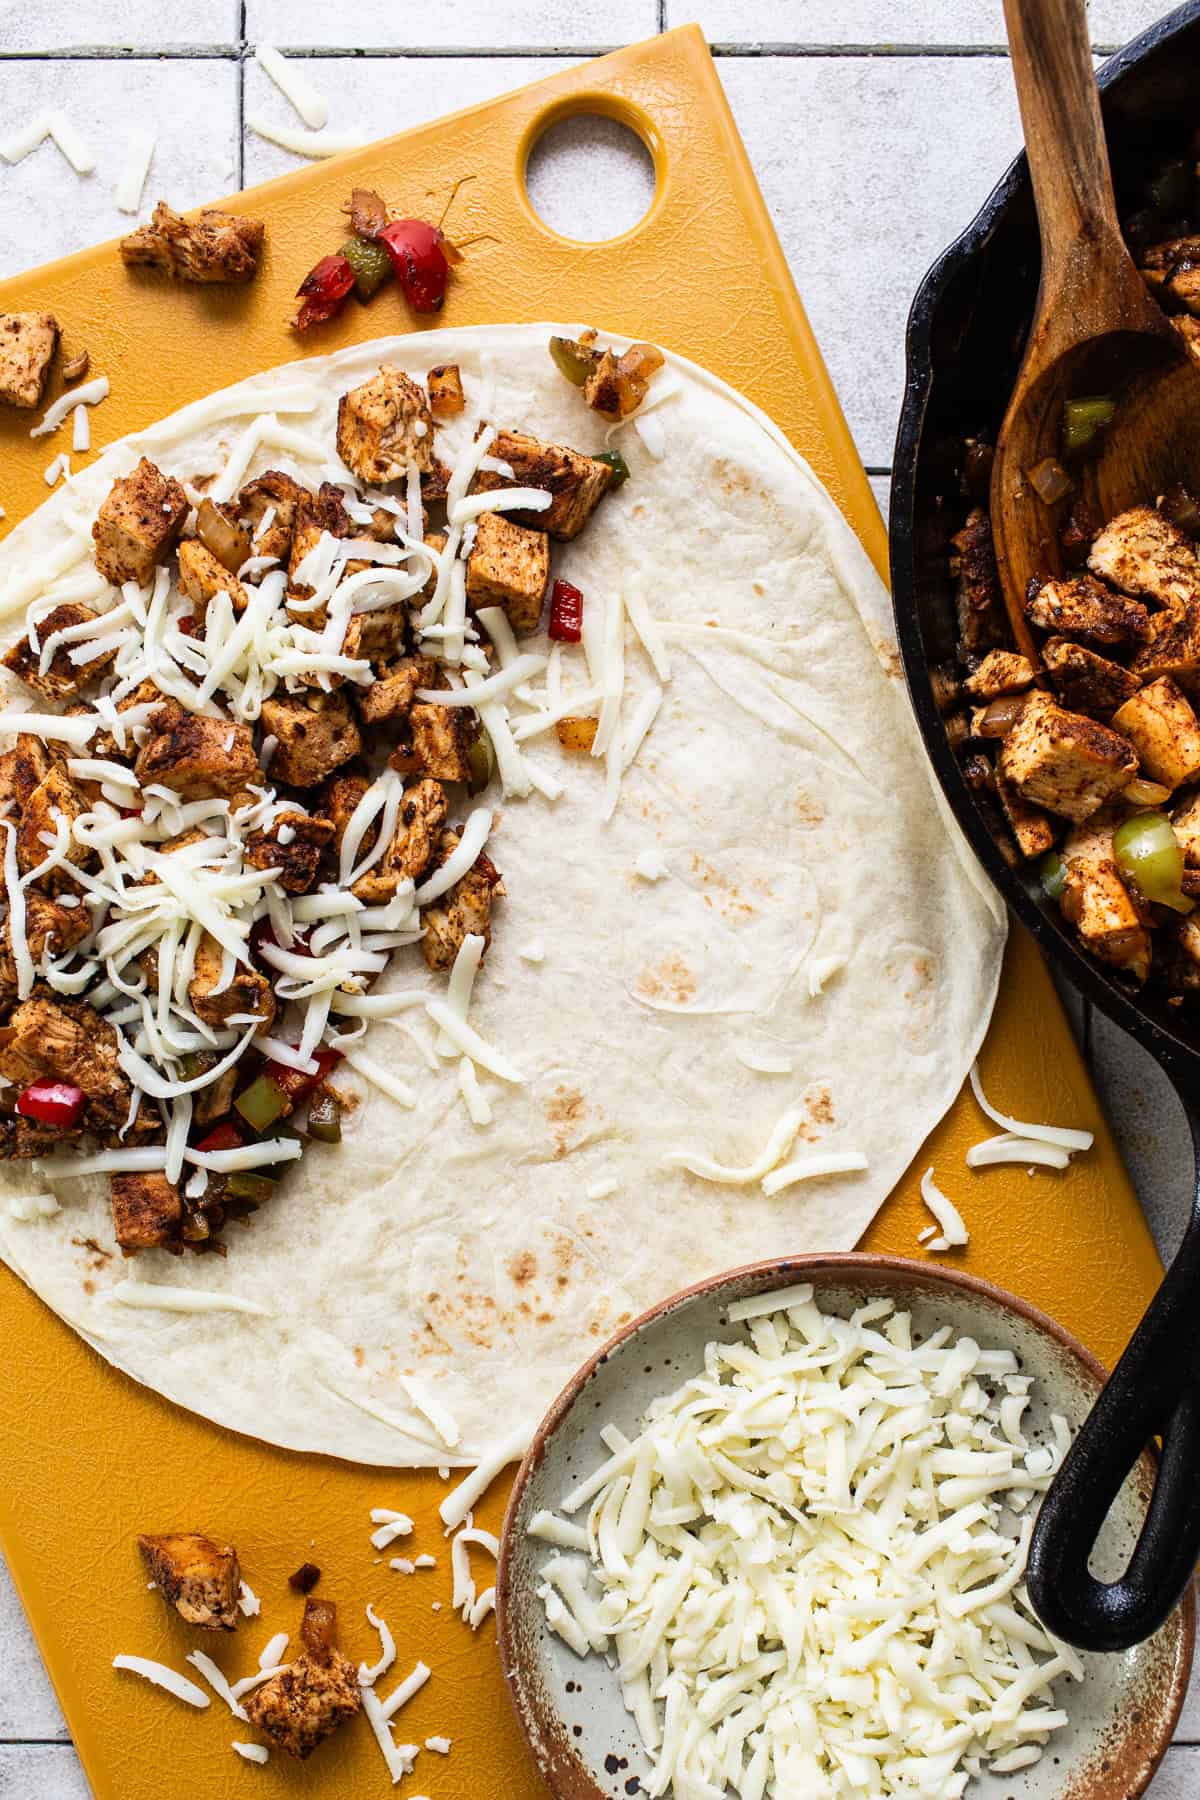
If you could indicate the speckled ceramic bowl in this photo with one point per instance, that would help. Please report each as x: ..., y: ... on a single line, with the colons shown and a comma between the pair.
x: 585, y: 1744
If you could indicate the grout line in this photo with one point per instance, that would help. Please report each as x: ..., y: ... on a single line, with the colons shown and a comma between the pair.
x: 44, y: 1743
x: 230, y: 52
x: 662, y: 15
x: 241, y: 97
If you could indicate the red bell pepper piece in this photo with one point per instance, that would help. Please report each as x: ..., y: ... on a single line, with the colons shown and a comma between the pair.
x: 294, y: 1082
x: 418, y: 253
x: 566, y: 613
x: 323, y: 291
x: 58, y: 1103
x: 224, y: 1136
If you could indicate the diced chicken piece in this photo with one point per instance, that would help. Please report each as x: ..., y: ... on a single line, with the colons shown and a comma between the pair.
x: 1063, y: 760
x: 1085, y: 681
x: 138, y: 524
x: 293, y: 844
x: 63, y: 679
x: 390, y: 695
x: 56, y: 797
x: 1185, y: 822
x: 978, y: 600
x: 212, y: 1102
x: 577, y: 483
x: 509, y: 566
x: 1078, y: 607
x: 383, y: 426
x: 1172, y: 646
x: 67, y: 1041
x: 1033, y: 831
x: 28, y: 341
x: 214, y: 246
x: 1142, y: 553
x: 200, y: 1579
x: 376, y: 634
x: 201, y: 577
x: 316, y: 735
x: 464, y: 910
x: 197, y: 757
x: 446, y: 397
x: 1096, y: 901
x: 146, y: 694
x: 316, y: 514
x: 1000, y: 672
x: 298, y: 1708
x: 214, y: 1000
x: 21, y: 770
x: 1171, y: 270
x: 277, y: 494
x: 49, y: 926
x: 443, y: 738
x: 32, y: 1139
x: 1162, y: 727
x: 147, y: 1212
x: 339, y: 798
x: 422, y: 815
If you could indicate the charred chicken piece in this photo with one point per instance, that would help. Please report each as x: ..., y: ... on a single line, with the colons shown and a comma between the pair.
x: 298, y: 1708
x: 63, y: 679
x: 324, y: 511
x: 280, y: 495
x: 213, y: 998
x: 292, y: 843
x: 138, y: 524
x: 55, y: 798
x: 422, y: 815
x: 1171, y: 270
x: 315, y: 736
x: 379, y: 633
x: 465, y: 909
x: 197, y: 757
x: 978, y: 600
x: 577, y: 483
x: 48, y: 926
x: 1063, y: 760
x: 1162, y: 727
x: 1031, y: 828
x: 198, y: 1578
x: 1079, y: 607
x: 1172, y: 646
x: 442, y: 739
x: 21, y: 770
x: 1000, y: 672
x: 214, y: 246
x: 509, y: 566
x: 383, y: 426
x: 66, y: 1040
x: 202, y: 577
x: 28, y: 341
x: 1096, y: 901
x: 1143, y: 554
x: 390, y: 696
x: 1085, y: 681
x: 339, y: 797
x: 147, y: 1212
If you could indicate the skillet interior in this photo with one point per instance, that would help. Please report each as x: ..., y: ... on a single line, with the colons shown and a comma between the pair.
x: 966, y: 332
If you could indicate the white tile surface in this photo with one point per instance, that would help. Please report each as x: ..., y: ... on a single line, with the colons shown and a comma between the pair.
x: 456, y: 24
x: 48, y: 210
x: 887, y: 22
x: 41, y: 1772
x: 28, y: 1708
x: 134, y: 24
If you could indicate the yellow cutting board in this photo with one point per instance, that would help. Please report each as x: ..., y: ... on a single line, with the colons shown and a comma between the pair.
x: 89, y: 1458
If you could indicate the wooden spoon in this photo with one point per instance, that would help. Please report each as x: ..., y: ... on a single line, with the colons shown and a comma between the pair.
x: 1096, y: 328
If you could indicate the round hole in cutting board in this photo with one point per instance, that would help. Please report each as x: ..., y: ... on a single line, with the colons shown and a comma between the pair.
x: 590, y: 177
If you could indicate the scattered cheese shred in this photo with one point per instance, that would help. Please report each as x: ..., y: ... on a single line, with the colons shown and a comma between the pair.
x: 27, y: 139
x: 459, y: 1501
x: 1005, y: 1148
x: 811, y: 1165
x: 313, y: 144
x: 72, y: 143
x: 954, y: 1233
x: 367, y: 1677
x: 139, y: 153
x: 294, y: 85
x: 252, y: 1753
x: 182, y: 1299
x: 216, y: 1681
x: 1064, y: 1137
x: 163, y: 1677
x: 777, y: 1146
x: 427, y: 1403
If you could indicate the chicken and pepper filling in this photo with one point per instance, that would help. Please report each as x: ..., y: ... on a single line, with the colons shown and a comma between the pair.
x: 213, y: 856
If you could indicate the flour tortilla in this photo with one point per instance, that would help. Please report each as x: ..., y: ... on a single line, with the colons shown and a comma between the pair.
x: 785, y: 787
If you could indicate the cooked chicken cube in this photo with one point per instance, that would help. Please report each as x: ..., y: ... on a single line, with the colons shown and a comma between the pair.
x: 147, y: 1212
x: 316, y: 514
x: 443, y: 738
x: 214, y: 998
x: 1084, y: 681
x: 339, y: 798
x: 1097, y: 902
x: 55, y: 798
x: 300, y: 1706
x: 292, y: 843
x: 1185, y: 822
x: 978, y: 601
x: 67, y: 1041
x: 200, y: 1579
x: 1079, y: 607
x: 422, y: 815
x: 1063, y: 760
x: 390, y: 695
x: 62, y: 679
x: 315, y: 736
x: 146, y: 695
x: 1172, y: 646
x: 21, y: 769
x: 277, y: 495
x: 446, y: 397
x: 49, y: 926
x: 577, y: 483
x: 1033, y: 831
x: 202, y: 577
x: 379, y: 633
x: 214, y: 246
x: 1000, y: 672
x: 197, y: 757
x: 28, y: 341
x: 1162, y: 727
x: 465, y: 909
x: 1142, y: 553
x: 509, y: 566
x: 1171, y: 270
x: 383, y: 426
x: 138, y: 524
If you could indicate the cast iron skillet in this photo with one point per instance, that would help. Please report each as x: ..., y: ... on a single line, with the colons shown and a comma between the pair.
x: 965, y: 335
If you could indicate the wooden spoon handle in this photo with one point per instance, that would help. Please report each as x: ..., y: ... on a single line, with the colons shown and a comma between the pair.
x: 1064, y: 137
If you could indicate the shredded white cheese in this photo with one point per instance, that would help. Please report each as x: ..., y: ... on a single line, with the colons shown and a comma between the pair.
x: 954, y: 1233
x: 163, y: 1677
x: 72, y: 143
x: 387, y: 1653
x: 139, y: 153
x: 1005, y: 1148
x: 459, y: 1501
x: 651, y: 865
x: 249, y: 1604
x: 182, y: 1299
x: 1063, y: 1137
x: 252, y: 1753
x: 88, y: 393
x: 294, y: 85
x: 313, y: 144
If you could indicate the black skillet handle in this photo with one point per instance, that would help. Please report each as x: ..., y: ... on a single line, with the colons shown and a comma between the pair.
x: 1153, y: 1391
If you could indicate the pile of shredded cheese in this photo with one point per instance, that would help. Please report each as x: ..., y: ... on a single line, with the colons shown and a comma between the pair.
x: 807, y: 1569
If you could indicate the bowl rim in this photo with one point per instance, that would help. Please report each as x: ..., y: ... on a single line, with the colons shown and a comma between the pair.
x: 763, y: 1276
